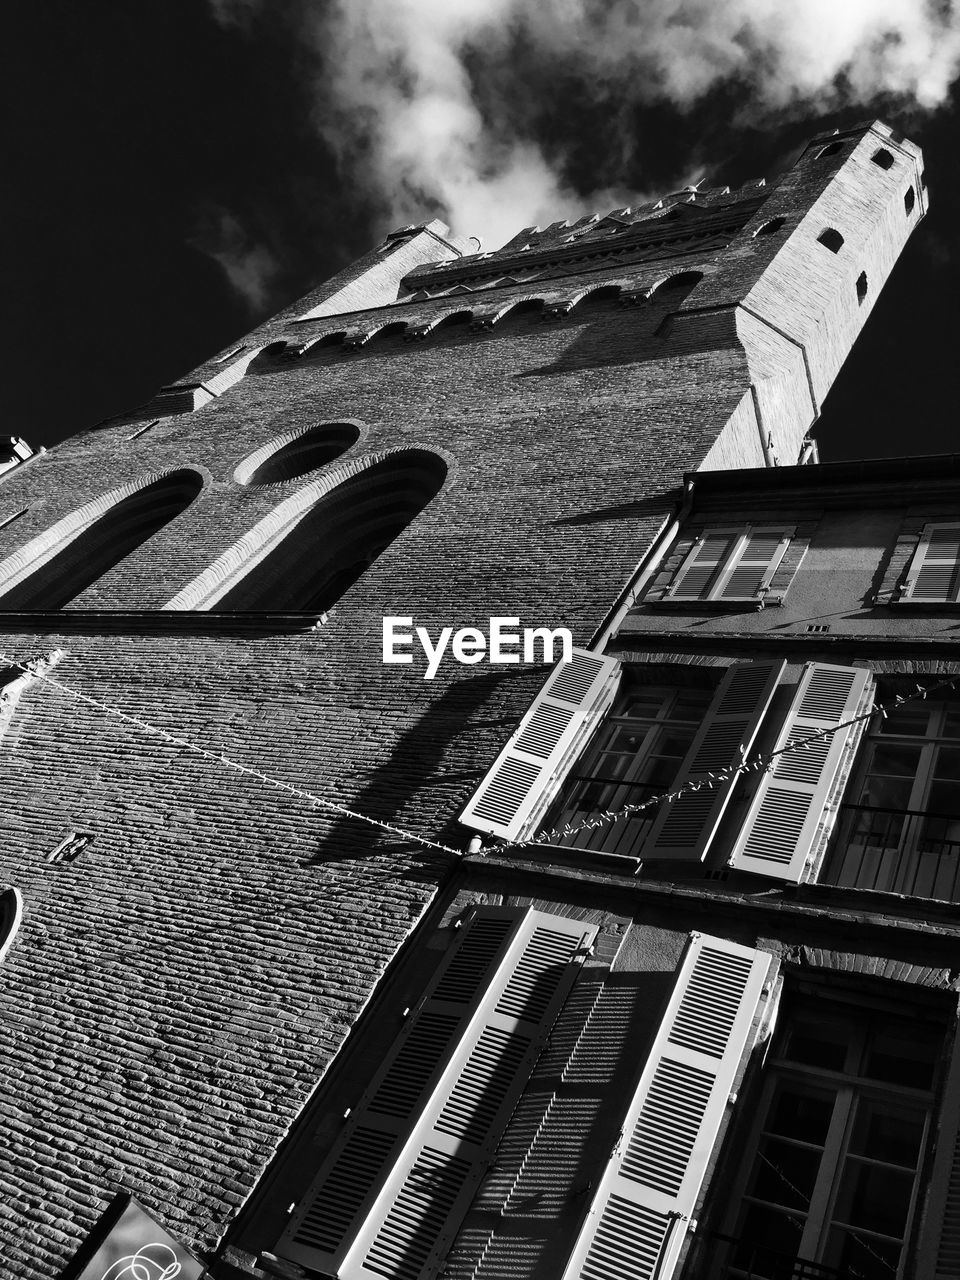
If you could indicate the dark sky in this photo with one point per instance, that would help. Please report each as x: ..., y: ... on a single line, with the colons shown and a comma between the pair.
x: 167, y: 187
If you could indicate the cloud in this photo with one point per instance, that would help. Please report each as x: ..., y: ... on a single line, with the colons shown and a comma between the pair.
x: 425, y: 103
x: 247, y: 263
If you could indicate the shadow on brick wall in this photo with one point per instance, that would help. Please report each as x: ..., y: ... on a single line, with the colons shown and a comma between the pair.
x: 433, y: 769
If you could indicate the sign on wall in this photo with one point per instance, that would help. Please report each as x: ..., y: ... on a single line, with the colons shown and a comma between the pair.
x: 129, y: 1244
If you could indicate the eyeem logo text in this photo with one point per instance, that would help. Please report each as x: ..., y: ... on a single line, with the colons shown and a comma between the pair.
x: 502, y: 644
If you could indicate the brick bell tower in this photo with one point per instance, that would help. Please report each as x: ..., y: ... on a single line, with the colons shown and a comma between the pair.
x: 438, y: 433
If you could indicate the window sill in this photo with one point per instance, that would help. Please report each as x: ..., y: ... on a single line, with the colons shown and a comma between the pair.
x: 738, y: 604
x: 157, y: 620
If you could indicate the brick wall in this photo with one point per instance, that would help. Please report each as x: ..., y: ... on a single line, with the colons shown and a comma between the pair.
x: 175, y: 994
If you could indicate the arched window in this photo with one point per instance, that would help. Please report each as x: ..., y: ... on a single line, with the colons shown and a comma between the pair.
x: 883, y: 158
x: 861, y: 287
x: 673, y: 287
x: 523, y: 310
x: 599, y: 297
x: 452, y: 321
x: 267, y: 357
x: 909, y: 200
x: 56, y: 566
x: 392, y: 330
x: 11, y: 912
x: 313, y: 547
x: 294, y: 455
x: 830, y: 149
x: 768, y: 228
x: 323, y: 345
x: 831, y: 239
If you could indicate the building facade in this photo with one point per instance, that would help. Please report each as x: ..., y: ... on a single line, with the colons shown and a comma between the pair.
x: 233, y: 829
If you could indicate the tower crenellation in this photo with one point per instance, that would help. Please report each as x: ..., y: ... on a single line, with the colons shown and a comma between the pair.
x: 268, y: 877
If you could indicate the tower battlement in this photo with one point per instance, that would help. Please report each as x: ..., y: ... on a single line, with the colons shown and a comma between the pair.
x: 434, y: 434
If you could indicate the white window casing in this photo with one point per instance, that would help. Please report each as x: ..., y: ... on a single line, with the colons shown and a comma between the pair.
x: 934, y: 573
x: 685, y: 827
x: 641, y: 1211
x: 388, y: 1199
x: 11, y: 913
x: 784, y: 822
x: 528, y: 772
x: 730, y: 564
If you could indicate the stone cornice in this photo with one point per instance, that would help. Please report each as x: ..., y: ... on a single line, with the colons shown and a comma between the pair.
x: 645, y: 237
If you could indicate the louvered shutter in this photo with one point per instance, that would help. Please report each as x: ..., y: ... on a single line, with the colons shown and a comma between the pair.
x: 754, y: 564
x: 685, y: 827
x: 703, y: 565
x: 939, y: 1253
x: 525, y: 776
x: 782, y: 823
x: 637, y: 1221
x: 390, y: 1195
x: 934, y: 574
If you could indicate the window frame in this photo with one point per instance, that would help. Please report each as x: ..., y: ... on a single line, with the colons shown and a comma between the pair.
x: 731, y: 561
x: 907, y: 851
x: 609, y: 728
x: 851, y: 1088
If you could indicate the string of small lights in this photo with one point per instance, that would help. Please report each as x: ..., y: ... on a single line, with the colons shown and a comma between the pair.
x: 38, y: 669
x: 605, y: 817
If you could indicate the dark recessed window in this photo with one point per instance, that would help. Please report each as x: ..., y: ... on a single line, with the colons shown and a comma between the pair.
x: 832, y: 1168
x: 830, y: 149
x: 673, y: 287
x: 883, y: 158
x: 317, y: 553
x: 831, y: 239
x: 77, y: 551
x: 770, y: 227
x: 287, y: 459
x: 909, y: 200
x: 861, y: 286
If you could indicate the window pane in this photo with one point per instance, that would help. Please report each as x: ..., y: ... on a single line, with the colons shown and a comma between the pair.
x: 887, y: 793
x: 692, y: 703
x: 909, y: 719
x: 902, y: 1053
x: 802, y: 1115
x: 785, y: 1173
x: 820, y: 1044
x: 944, y: 795
x: 895, y: 759
x: 768, y: 1243
x: 644, y: 704
x: 888, y: 1133
x: 874, y: 1198
x: 862, y: 1256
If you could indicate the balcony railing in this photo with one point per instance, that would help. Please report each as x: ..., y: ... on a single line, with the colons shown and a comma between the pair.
x: 896, y: 850
x: 727, y: 1257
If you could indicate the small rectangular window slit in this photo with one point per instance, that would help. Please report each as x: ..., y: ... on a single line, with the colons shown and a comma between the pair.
x: 142, y: 430
x: 16, y: 516
x: 70, y: 848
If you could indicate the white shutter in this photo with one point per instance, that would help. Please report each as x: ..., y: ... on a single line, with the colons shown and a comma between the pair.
x: 389, y: 1197
x: 934, y: 574
x: 754, y: 564
x: 781, y: 826
x: 637, y: 1221
x: 698, y: 573
x: 685, y: 827
x: 528, y: 771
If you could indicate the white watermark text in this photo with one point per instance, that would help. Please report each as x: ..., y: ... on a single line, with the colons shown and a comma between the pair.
x: 502, y: 643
